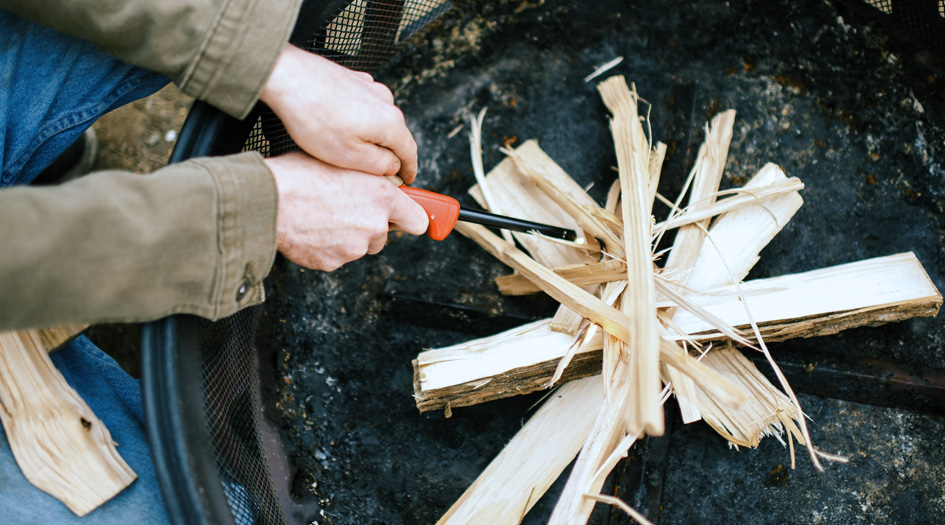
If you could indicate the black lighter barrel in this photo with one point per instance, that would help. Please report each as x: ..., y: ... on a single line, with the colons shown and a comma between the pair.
x: 510, y: 223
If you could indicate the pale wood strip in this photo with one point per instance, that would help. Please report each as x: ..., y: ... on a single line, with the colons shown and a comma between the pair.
x: 54, y: 337
x: 58, y: 442
x: 515, y: 196
x: 705, y: 178
x: 516, y: 479
x: 580, y: 275
x: 550, y: 178
x: 630, y: 364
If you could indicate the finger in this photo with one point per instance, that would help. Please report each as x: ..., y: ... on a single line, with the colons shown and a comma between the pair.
x: 392, y: 133
x: 408, y: 160
x: 362, y: 76
x: 408, y: 216
x: 383, y: 92
x: 371, y: 159
x: 377, y: 244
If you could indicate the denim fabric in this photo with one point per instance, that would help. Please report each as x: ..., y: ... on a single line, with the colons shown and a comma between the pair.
x: 52, y: 88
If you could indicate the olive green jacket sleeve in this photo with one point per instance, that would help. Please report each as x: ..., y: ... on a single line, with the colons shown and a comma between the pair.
x: 221, y: 51
x: 197, y: 237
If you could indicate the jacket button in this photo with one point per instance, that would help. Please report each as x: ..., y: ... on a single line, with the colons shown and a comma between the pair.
x: 243, y: 290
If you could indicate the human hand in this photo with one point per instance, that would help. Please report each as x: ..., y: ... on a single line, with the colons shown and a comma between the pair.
x: 340, y: 116
x: 329, y: 216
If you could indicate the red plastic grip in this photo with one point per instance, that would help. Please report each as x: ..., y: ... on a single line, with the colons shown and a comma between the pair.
x: 442, y: 210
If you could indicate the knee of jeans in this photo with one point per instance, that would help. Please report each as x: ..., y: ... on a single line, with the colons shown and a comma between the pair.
x: 56, y: 86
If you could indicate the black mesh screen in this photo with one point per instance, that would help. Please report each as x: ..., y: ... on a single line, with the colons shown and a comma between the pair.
x: 921, y: 21
x: 230, y: 381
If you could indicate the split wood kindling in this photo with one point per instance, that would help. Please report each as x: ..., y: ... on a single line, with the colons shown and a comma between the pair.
x: 641, y: 324
x: 706, y: 177
x: 58, y: 442
x: 808, y: 304
x: 630, y: 365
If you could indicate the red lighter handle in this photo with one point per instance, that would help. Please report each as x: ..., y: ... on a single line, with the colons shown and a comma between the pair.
x: 443, y: 211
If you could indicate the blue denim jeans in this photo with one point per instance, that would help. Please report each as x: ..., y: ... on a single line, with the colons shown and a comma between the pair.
x: 52, y: 88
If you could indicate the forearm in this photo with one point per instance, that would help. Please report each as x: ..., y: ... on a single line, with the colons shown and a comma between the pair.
x: 121, y: 247
x: 221, y: 51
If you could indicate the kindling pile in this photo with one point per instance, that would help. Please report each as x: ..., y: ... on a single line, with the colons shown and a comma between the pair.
x: 635, y: 326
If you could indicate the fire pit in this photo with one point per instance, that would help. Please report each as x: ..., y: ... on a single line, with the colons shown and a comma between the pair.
x: 336, y: 438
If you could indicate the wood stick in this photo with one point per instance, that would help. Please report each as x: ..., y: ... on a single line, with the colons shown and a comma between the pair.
x: 630, y: 365
x: 58, y: 442
x: 515, y: 480
x: 54, y: 337
x: 609, y: 318
x: 514, y: 195
x: 641, y: 359
x: 705, y: 178
x: 578, y: 274
x: 889, y: 289
x: 728, y: 233
x: 568, y: 321
x: 537, y: 167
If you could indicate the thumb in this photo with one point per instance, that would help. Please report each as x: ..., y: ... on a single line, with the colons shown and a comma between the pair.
x: 408, y: 216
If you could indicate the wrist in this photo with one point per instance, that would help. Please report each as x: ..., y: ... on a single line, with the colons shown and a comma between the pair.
x: 275, y: 86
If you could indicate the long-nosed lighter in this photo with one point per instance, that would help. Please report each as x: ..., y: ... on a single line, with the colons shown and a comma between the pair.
x: 444, y: 211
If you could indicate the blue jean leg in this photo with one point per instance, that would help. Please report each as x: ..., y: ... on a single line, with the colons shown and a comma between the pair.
x: 52, y: 88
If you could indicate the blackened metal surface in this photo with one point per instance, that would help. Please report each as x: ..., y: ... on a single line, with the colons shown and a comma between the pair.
x: 860, y: 380
x: 895, y: 460
x: 835, y: 102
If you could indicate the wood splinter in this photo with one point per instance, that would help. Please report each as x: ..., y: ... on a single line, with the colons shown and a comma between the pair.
x: 58, y: 442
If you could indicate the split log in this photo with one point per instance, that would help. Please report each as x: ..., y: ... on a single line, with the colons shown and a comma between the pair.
x: 542, y: 171
x: 513, y: 193
x: 822, y: 302
x: 506, y: 364
x: 706, y: 177
x: 609, y: 318
x: 578, y: 274
x: 887, y: 289
x: 766, y: 412
x: 58, y: 442
x: 52, y: 338
x: 516, y: 479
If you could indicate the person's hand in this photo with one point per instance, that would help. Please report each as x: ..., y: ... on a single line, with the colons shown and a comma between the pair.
x: 340, y: 116
x: 329, y: 216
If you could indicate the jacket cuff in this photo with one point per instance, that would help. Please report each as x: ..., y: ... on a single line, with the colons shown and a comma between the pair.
x: 246, y: 238
x: 239, y: 53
